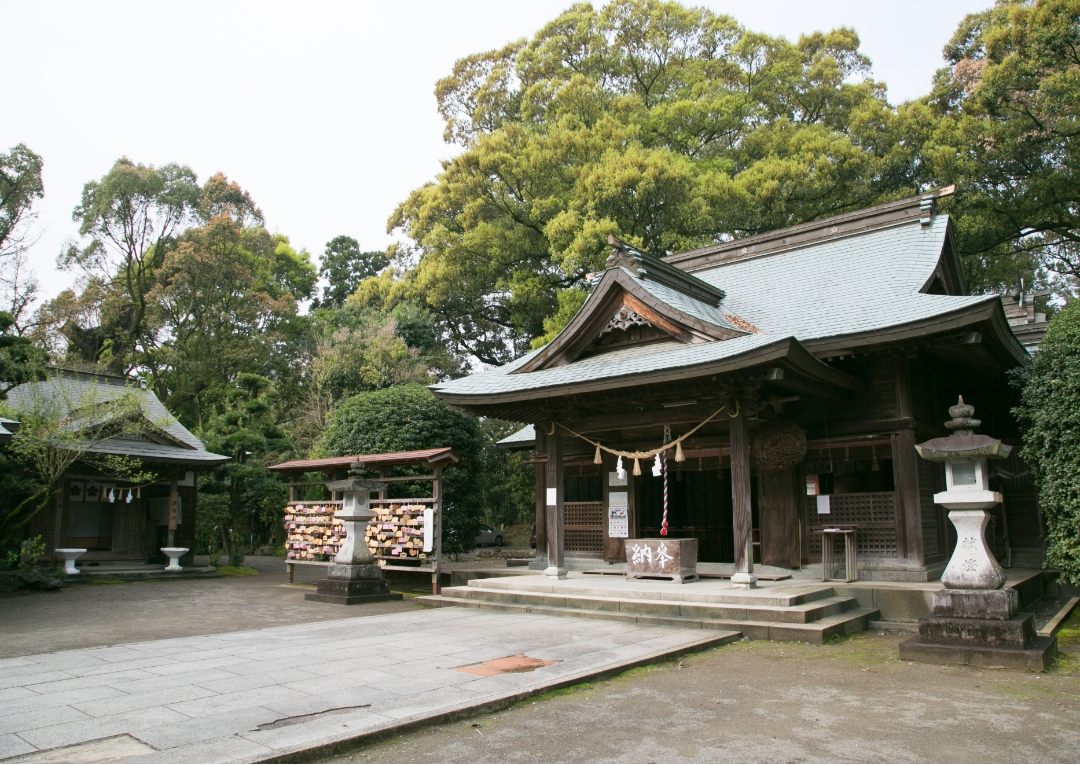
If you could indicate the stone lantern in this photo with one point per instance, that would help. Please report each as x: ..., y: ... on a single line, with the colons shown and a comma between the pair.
x: 974, y: 620
x: 968, y: 498
x: 354, y: 575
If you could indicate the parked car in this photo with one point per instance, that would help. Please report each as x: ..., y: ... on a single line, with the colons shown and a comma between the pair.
x: 488, y: 536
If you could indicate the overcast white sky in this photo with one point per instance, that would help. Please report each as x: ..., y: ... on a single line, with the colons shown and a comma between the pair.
x: 324, y: 111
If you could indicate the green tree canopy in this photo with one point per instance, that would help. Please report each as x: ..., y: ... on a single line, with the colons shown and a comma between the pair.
x: 225, y: 303
x: 182, y: 285
x: 1049, y: 416
x: 245, y: 428
x: 670, y: 126
x: 408, y: 417
x: 20, y: 188
x: 20, y: 359
x: 344, y: 266
x: 130, y: 218
x: 1009, y: 108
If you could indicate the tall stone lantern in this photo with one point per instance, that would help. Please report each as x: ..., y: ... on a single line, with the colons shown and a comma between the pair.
x: 354, y: 575
x: 973, y: 620
x: 968, y: 498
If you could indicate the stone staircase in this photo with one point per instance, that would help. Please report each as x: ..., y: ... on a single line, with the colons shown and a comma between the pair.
x: 810, y: 613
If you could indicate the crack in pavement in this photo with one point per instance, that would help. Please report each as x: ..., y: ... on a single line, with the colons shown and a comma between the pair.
x: 284, y: 722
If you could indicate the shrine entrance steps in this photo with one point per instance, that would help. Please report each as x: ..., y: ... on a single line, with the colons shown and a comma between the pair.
x: 785, y: 610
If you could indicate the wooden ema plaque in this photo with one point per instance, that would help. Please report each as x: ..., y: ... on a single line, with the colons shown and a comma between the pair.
x: 663, y: 558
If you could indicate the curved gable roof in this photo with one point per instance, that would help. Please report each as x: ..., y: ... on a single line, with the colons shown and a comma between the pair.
x: 839, y: 284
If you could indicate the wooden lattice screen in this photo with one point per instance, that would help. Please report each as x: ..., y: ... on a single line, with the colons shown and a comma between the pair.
x: 584, y: 527
x: 872, y: 513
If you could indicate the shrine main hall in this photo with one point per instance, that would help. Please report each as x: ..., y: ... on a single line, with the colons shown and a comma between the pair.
x: 752, y: 393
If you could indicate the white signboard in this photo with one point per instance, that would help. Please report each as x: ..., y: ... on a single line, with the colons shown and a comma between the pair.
x: 823, y: 505
x: 614, y: 480
x: 618, y: 522
x: 429, y: 528
x: 618, y: 515
x: 552, y: 497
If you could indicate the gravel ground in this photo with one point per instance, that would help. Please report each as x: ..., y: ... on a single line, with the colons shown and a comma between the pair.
x: 849, y: 701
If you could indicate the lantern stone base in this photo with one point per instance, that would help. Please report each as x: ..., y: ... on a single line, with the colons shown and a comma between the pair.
x: 348, y: 584
x: 1033, y: 659
x: 980, y: 627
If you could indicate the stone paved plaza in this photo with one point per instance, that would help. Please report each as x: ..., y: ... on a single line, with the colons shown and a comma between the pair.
x: 249, y: 695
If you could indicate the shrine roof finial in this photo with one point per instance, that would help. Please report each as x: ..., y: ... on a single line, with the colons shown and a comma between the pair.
x: 644, y: 266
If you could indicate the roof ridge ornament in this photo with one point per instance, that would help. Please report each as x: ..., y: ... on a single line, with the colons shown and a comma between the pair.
x: 642, y: 265
x: 624, y: 255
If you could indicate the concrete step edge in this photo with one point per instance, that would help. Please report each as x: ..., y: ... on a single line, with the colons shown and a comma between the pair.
x: 805, y: 610
x: 813, y: 632
x: 734, y: 597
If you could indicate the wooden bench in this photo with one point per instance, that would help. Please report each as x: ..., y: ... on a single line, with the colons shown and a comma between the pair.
x: 291, y: 564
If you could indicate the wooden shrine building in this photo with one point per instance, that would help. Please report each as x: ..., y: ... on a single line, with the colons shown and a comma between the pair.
x: 117, y: 520
x: 789, y: 376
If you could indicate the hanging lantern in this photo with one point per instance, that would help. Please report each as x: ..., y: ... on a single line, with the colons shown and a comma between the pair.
x: 679, y: 456
x: 620, y: 470
x: 597, y: 458
x: 656, y: 467
x: 637, y: 467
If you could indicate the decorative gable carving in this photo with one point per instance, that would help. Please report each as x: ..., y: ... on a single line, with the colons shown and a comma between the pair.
x: 638, y: 300
x: 625, y: 318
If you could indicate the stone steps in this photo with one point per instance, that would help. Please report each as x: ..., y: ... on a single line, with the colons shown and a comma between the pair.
x: 813, y: 620
x: 791, y: 596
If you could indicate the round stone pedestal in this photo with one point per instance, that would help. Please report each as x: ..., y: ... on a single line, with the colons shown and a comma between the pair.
x: 174, y: 554
x: 69, y: 555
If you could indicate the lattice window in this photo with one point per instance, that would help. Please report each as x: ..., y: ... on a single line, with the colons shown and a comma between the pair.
x: 584, y: 527
x: 872, y: 513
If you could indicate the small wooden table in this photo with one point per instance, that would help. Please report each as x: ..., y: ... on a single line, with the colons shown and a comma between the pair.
x: 851, y: 572
x: 662, y: 558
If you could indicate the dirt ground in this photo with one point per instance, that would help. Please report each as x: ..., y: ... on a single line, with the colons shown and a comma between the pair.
x: 848, y: 701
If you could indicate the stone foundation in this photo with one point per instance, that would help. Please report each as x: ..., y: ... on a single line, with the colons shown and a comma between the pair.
x: 348, y: 584
x: 980, y: 627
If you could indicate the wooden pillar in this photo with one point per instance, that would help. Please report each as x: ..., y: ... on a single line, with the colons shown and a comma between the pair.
x: 437, y: 504
x: 174, y: 512
x: 908, y: 502
x: 740, y: 502
x: 553, y: 505
x: 541, y: 508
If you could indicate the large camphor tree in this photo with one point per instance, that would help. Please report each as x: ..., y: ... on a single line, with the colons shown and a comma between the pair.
x: 669, y: 126
x: 1006, y: 122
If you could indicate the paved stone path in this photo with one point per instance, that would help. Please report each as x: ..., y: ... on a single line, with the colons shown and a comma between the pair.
x: 251, y: 695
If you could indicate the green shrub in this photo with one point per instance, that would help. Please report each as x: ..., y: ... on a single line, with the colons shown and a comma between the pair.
x: 30, y: 568
x: 408, y: 417
x: 1049, y: 416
